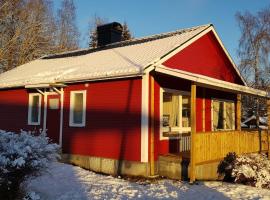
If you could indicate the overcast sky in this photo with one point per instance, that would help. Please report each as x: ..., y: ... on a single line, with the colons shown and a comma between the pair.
x: 146, y: 17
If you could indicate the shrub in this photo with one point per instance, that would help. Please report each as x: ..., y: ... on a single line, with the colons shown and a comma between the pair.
x: 21, y: 155
x: 249, y: 169
x: 226, y: 167
x: 252, y: 169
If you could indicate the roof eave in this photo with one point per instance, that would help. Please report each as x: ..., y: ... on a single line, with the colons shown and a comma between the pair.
x: 212, y: 83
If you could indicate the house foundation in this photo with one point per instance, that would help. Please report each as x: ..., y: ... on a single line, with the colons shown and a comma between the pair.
x: 109, y: 166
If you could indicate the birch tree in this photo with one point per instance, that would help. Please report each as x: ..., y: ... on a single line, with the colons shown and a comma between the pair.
x: 68, y: 34
x: 253, y: 52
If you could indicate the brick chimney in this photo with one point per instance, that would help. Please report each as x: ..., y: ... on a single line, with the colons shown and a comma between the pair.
x: 109, y: 33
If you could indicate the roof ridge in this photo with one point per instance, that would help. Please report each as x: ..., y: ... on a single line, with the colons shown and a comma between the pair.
x: 123, y: 43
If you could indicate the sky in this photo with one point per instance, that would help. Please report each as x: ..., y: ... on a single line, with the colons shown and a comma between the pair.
x: 147, y: 17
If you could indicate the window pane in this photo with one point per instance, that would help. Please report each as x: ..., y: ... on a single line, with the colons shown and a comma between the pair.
x: 170, y: 109
x: 218, y: 112
x: 78, y: 108
x: 35, y: 109
x: 185, y: 111
x: 229, y: 115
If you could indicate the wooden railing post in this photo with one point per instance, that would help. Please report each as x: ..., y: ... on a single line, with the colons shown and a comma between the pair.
x: 193, y: 132
x: 203, y: 111
x: 238, y: 112
x: 258, y: 124
x: 268, y: 122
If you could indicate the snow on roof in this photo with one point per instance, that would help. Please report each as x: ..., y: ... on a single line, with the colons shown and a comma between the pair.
x: 126, y: 58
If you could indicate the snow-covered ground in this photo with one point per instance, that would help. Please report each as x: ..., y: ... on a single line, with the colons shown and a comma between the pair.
x: 67, y: 182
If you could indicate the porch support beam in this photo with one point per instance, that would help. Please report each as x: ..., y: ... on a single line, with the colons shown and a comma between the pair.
x: 152, y: 121
x: 268, y: 122
x: 193, y: 132
x: 238, y: 112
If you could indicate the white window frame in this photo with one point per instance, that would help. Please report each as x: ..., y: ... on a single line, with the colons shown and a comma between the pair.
x: 71, y: 110
x: 224, y: 113
x: 30, y: 106
x: 179, y: 129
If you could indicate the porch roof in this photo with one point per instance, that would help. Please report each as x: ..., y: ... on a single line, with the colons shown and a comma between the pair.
x: 212, y: 83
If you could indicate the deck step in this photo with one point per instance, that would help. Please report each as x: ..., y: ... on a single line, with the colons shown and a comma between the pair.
x: 173, y: 166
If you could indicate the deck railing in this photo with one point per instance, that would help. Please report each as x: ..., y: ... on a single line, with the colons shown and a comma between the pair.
x: 214, y: 146
x: 184, y: 141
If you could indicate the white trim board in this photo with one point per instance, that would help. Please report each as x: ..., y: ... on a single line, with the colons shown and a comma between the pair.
x: 71, y: 109
x: 180, y: 128
x: 61, y: 117
x: 144, y: 118
x: 30, y: 106
x: 213, y: 83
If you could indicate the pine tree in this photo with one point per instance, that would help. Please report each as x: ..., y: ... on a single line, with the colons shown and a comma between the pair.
x: 97, y: 21
x: 94, y: 23
x: 126, y: 34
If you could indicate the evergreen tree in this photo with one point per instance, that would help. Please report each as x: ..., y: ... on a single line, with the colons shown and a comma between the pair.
x: 94, y: 23
x: 126, y: 34
x: 97, y: 21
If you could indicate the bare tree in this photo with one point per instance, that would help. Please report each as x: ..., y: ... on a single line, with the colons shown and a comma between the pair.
x: 254, y: 48
x: 26, y: 28
x: 29, y: 30
x: 68, y: 34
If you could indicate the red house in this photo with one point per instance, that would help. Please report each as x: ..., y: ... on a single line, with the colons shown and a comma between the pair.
x: 133, y: 107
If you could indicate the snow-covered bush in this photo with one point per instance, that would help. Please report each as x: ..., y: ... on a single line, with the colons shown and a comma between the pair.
x: 249, y: 169
x: 21, y: 155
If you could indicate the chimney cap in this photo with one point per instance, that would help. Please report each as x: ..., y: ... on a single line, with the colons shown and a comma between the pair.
x: 112, y: 25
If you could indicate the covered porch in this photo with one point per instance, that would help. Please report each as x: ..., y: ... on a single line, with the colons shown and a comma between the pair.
x: 199, y: 150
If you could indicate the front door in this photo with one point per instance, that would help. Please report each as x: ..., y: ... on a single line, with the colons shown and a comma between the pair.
x: 53, y: 117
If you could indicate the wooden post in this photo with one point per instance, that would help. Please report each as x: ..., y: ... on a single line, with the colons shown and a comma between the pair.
x: 152, y: 134
x: 258, y: 124
x: 268, y: 122
x: 193, y: 132
x: 238, y: 112
x: 203, y: 111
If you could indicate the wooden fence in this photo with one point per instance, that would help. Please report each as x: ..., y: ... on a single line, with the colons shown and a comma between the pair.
x: 214, y: 146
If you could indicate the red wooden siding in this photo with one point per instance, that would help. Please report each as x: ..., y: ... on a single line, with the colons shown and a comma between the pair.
x: 113, y: 120
x: 14, y: 110
x: 205, y: 56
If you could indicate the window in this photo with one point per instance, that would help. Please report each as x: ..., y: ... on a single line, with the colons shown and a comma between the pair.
x: 77, y: 108
x: 186, y: 111
x: 223, y: 115
x: 175, y: 111
x: 34, y: 109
